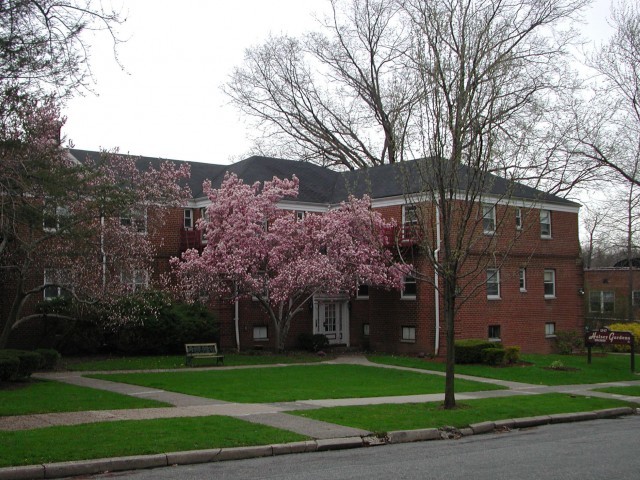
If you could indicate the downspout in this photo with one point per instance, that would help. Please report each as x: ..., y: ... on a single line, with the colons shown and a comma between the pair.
x: 236, y: 321
x: 436, y: 253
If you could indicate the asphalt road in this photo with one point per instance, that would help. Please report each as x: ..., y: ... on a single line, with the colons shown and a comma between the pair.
x: 602, y: 449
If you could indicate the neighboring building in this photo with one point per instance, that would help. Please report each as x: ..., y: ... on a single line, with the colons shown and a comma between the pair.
x: 535, y: 293
x: 609, y: 294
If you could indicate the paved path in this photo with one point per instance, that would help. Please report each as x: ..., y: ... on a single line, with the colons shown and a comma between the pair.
x: 273, y: 414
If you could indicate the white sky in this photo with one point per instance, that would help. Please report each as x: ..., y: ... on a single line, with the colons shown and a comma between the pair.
x: 168, y: 103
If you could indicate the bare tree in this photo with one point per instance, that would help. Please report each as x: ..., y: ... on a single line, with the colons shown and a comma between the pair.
x: 486, y: 68
x: 43, y: 44
x: 337, y: 97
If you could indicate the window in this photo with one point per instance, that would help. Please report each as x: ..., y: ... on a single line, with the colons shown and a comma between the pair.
x: 523, y: 279
x: 602, y: 301
x: 489, y: 219
x: 518, y: 218
x: 409, y: 334
x: 135, y: 219
x: 188, y: 218
x: 409, y: 287
x: 545, y: 223
x: 409, y: 221
x: 56, y: 278
x: 549, y: 284
x: 636, y: 298
x: 365, y: 329
x: 494, y: 332
x: 261, y: 333
x: 300, y: 214
x: 135, y: 279
x: 363, y: 292
x: 493, y: 283
x: 54, y: 217
x: 550, y: 329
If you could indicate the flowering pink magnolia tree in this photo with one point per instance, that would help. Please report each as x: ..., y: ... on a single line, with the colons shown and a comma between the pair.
x: 255, y: 249
x: 79, y: 230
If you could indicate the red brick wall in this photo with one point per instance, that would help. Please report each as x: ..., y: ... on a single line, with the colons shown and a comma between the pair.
x: 616, y: 280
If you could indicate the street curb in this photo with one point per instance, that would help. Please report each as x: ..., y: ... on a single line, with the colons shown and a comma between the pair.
x: 98, y: 466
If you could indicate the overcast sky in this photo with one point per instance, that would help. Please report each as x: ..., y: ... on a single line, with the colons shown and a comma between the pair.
x: 167, y: 103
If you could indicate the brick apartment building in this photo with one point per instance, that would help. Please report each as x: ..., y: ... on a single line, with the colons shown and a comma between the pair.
x: 612, y: 294
x: 522, y: 301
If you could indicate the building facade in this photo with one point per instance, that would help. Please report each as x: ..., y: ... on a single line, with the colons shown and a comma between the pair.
x: 533, y: 291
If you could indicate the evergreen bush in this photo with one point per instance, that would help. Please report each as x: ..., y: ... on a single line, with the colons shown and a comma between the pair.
x: 470, y: 350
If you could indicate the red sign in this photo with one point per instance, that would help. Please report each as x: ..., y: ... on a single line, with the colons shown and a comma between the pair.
x: 604, y: 336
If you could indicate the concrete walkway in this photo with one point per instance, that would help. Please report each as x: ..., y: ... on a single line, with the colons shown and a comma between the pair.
x: 272, y: 414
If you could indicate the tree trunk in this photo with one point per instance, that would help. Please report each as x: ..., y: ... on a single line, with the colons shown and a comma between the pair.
x: 449, y: 314
x: 12, y: 318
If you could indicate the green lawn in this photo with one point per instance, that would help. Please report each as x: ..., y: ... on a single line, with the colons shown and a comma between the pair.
x: 164, y: 362
x: 112, y: 439
x: 297, y: 382
x: 633, y: 391
x: 389, y: 417
x: 602, y: 369
x: 36, y: 396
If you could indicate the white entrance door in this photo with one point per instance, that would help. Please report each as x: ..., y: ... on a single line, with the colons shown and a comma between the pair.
x: 331, y: 318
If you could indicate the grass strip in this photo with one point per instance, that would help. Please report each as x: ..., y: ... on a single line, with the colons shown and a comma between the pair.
x: 286, y: 384
x: 166, y: 362
x: 389, y: 417
x: 40, y: 396
x: 133, y: 437
x: 632, y: 391
x: 576, y: 370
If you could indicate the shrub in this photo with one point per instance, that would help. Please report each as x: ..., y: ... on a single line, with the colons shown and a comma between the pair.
x: 493, y: 356
x: 167, y: 329
x: 633, y: 327
x: 470, y: 350
x: 49, y: 358
x: 568, y: 341
x: 83, y: 336
x: 8, y: 367
x: 512, y: 355
x: 29, y: 361
x: 312, y: 343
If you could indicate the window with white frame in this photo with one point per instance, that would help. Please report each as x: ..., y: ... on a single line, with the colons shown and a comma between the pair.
x: 300, y: 214
x: 260, y: 333
x: 523, y: 279
x: 365, y: 329
x: 549, y: 283
x: 602, y: 301
x: 188, y: 218
x: 545, y: 223
x: 56, y: 280
x: 494, y: 332
x: 135, y: 279
x: 409, y: 221
x: 550, y: 329
x: 493, y: 283
x: 488, y: 219
x: 409, y: 287
x: 518, y: 218
x: 408, y: 334
x: 54, y: 217
x: 135, y: 219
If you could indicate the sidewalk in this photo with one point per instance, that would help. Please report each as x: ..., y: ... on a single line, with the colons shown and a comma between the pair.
x: 327, y: 436
x: 272, y: 414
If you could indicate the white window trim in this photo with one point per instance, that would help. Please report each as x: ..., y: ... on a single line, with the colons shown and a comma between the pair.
x: 553, y: 282
x: 518, y: 218
x: 522, y: 279
x: 489, y: 213
x: 494, y: 339
x: 601, y: 301
x: 408, y: 296
x: 546, y: 333
x: 53, y: 272
x: 362, y: 297
x: 410, y: 336
x: 135, y: 216
x: 259, y: 328
x: 60, y: 212
x: 542, y: 234
x: 497, y: 277
x: 187, y: 216
x: 130, y: 278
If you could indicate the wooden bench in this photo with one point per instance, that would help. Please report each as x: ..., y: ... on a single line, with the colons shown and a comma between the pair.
x: 202, y: 350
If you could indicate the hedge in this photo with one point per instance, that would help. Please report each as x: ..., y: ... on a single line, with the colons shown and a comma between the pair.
x: 8, y: 367
x: 470, y: 350
x: 29, y: 361
x: 49, y: 358
x: 493, y: 356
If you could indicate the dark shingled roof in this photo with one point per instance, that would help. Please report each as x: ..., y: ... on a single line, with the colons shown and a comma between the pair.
x: 324, y: 186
